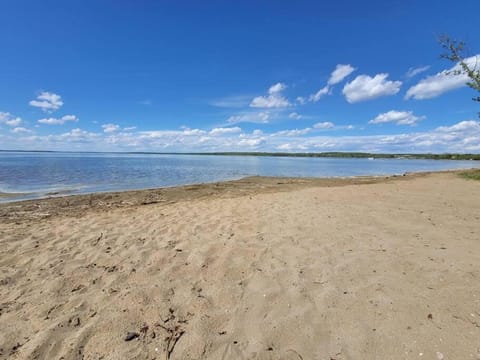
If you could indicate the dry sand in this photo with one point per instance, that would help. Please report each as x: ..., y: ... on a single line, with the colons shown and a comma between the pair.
x: 254, y: 269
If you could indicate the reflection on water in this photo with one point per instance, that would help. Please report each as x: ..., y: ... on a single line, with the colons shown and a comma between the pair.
x: 45, y: 174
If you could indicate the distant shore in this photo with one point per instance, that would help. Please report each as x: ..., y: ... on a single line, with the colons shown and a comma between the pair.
x: 335, y: 154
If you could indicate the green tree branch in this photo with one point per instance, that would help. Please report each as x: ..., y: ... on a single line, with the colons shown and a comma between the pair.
x: 454, y: 51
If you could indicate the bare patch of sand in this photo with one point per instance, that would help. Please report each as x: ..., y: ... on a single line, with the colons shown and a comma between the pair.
x: 260, y: 268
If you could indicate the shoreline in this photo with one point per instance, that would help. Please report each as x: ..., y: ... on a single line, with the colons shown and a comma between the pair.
x: 70, y: 205
x: 78, y: 185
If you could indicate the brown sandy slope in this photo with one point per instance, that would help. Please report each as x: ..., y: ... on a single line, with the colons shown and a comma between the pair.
x: 254, y: 269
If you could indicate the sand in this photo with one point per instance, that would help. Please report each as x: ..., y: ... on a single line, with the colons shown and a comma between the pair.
x: 262, y: 268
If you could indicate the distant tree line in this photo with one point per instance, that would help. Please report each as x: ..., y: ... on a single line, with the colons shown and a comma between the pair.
x: 333, y: 154
x: 447, y: 156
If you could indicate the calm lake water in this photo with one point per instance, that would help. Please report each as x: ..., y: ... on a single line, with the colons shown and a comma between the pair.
x: 41, y: 174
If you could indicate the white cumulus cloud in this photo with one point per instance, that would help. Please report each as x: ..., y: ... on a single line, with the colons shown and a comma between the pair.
x: 20, y: 130
x: 58, y: 121
x: 324, y: 125
x: 294, y: 116
x: 462, y: 126
x: 47, y: 101
x: 274, y: 99
x: 275, y: 89
x: 110, y: 128
x: 14, y: 122
x: 397, y: 117
x: 4, y: 116
x: 10, y: 120
x: 225, y: 131
x: 365, y: 87
x: 251, y: 143
x: 447, y: 80
x: 74, y: 136
x: 193, y: 132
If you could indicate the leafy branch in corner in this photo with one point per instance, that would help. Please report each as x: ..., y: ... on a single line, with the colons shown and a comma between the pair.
x: 455, y: 51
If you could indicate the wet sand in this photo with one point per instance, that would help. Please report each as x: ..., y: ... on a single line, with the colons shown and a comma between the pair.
x: 260, y: 268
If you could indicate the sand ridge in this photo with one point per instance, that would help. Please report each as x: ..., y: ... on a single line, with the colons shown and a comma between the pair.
x: 376, y: 270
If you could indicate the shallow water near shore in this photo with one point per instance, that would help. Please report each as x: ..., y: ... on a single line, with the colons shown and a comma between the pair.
x: 28, y: 175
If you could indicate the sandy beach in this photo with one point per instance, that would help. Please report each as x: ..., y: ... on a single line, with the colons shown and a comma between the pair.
x: 260, y: 268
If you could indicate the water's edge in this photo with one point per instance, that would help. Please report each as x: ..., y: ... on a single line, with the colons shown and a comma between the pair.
x: 6, y: 198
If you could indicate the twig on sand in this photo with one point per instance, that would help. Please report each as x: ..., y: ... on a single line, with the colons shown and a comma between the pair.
x: 97, y: 240
x: 300, y: 356
x: 174, y: 334
x: 150, y: 202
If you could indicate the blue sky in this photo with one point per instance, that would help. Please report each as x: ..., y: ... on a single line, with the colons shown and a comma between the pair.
x: 125, y: 75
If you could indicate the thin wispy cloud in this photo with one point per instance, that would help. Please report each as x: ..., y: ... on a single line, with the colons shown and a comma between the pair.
x: 237, y: 101
x: 324, y: 125
x: 294, y: 132
x: 442, y: 82
x: 254, y: 117
x: 58, y: 121
x: 295, y: 116
x: 412, y: 72
x: 338, y: 75
x: 319, y: 94
x: 301, y: 100
x: 145, y: 102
